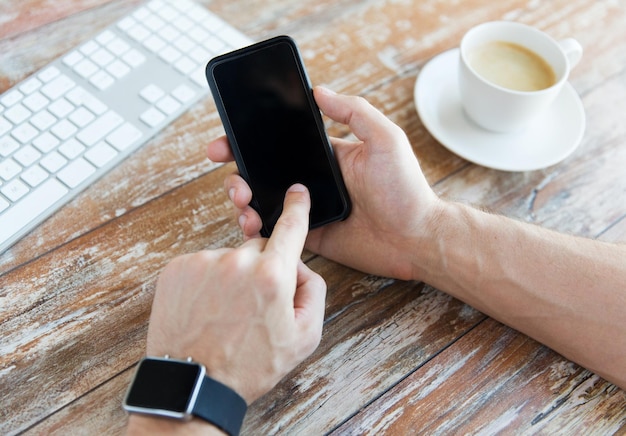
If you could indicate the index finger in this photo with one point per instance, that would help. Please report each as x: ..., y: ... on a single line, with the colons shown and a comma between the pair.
x: 290, y: 231
x: 219, y: 150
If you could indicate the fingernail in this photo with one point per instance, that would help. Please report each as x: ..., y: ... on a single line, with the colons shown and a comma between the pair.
x: 298, y: 187
x: 327, y: 91
x: 242, y: 220
x: 231, y: 194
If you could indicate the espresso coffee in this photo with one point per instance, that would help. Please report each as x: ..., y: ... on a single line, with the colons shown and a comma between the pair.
x: 511, y: 66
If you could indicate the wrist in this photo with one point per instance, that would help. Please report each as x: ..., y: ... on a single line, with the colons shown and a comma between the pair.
x: 426, y: 243
x: 452, y: 255
x: 152, y: 425
x: 180, y: 391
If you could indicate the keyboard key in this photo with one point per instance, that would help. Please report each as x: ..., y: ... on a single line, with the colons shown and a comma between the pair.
x: 155, y: 5
x: 53, y: 162
x: 43, y: 120
x: 76, y: 172
x: 168, y: 105
x: 26, y: 155
x: 183, y: 5
x: 105, y: 37
x: 134, y: 58
x: 34, y: 175
x: 57, y: 87
x: 199, y: 54
x: 29, y: 207
x: 14, y: 190
x: 35, y: 102
x: 89, y: 47
x: 183, y: 93
x: 152, y: 117
x: 63, y: 129
x: 12, y: 97
x: 184, y: 65
x: 48, y: 74
x: 100, y: 154
x: 153, y: 22
x: 81, y: 117
x: 71, y: 148
x: 9, y: 169
x: 73, y: 58
x: 168, y: 14
x: 80, y: 96
x: 141, y: 14
x: 236, y: 39
x: 183, y: 23
x: 99, y: 128
x: 102, y: 57
x: 46, y: 142
x: 169, y: 54
x: 213, y: 23
x: 169, y: 33
x: 118, y: 69
x: 151, y: 93
x: 3, y: 205
x: 24, y: 133
x: 214, y: 45
x: 85, y: 68
x: 184, y: 44
x: 17, y: 113
x: 101, y: 80
x: 199, y: 77
x: 138, y: 32
x: 198, y: 34
x: 8, y: 145
x: 30, y: 86
x: 124, y: 136
x: 199, y: 14
x: 154, y: 43
x: 126, y: 23
x: 5, y: 126
x: 61, y: 108
x: 118, y: 46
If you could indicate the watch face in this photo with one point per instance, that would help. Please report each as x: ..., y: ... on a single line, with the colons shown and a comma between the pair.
x: 164, y: 387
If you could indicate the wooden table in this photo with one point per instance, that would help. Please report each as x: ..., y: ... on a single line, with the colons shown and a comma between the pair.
x: 396, y: 357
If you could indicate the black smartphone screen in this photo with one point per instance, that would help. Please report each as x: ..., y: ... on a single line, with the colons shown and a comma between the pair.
x: 276, y: 131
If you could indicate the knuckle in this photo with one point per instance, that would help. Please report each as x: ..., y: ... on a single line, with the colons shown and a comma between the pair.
x: 270, y: 272
x: 289, y: 221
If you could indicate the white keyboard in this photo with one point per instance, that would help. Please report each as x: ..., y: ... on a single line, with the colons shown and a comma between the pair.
x: 71, y: 122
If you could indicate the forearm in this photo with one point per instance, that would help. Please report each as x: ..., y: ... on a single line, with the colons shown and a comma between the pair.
x: 568, y: 293
x: 148, y: 425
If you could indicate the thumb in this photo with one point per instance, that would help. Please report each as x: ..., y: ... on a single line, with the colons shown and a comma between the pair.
x: 365, y: 121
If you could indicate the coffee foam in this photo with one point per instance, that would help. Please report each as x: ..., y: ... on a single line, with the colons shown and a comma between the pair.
x: 511, y: 66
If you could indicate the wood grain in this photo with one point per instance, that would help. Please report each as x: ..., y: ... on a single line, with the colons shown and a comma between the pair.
x: 536, y: 392
x: 396, y: 357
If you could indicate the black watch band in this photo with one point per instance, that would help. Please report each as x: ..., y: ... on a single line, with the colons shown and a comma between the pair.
x: 220, y: 405
x: 180, y: 389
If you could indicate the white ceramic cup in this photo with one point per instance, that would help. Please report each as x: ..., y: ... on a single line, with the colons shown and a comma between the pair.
x: 500, y: 109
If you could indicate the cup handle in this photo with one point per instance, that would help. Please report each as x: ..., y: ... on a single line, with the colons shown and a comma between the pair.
x: 572, y: 49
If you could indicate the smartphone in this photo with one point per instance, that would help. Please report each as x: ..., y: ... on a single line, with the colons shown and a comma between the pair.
x: 275, y: 129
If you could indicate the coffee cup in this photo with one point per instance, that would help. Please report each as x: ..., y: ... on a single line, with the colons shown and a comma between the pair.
x: 510, y: 73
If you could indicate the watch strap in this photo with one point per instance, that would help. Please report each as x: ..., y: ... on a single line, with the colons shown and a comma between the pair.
x: 220, y: 405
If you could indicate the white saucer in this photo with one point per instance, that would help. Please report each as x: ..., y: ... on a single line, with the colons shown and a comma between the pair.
x: 549, y: 140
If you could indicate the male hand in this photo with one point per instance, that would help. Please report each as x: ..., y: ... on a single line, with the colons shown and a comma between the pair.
x: 392, y: 203
x: 249, y: 314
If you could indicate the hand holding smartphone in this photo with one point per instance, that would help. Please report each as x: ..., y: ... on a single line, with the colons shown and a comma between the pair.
x: 275, y: 130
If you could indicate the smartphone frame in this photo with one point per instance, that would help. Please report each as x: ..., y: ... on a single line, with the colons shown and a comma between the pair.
x: 319, y: 125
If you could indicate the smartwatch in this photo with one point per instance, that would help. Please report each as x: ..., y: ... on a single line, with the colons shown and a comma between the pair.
x: 180, y: 389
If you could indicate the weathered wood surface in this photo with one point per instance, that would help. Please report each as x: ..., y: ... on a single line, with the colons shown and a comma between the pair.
x: 396, y: 357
